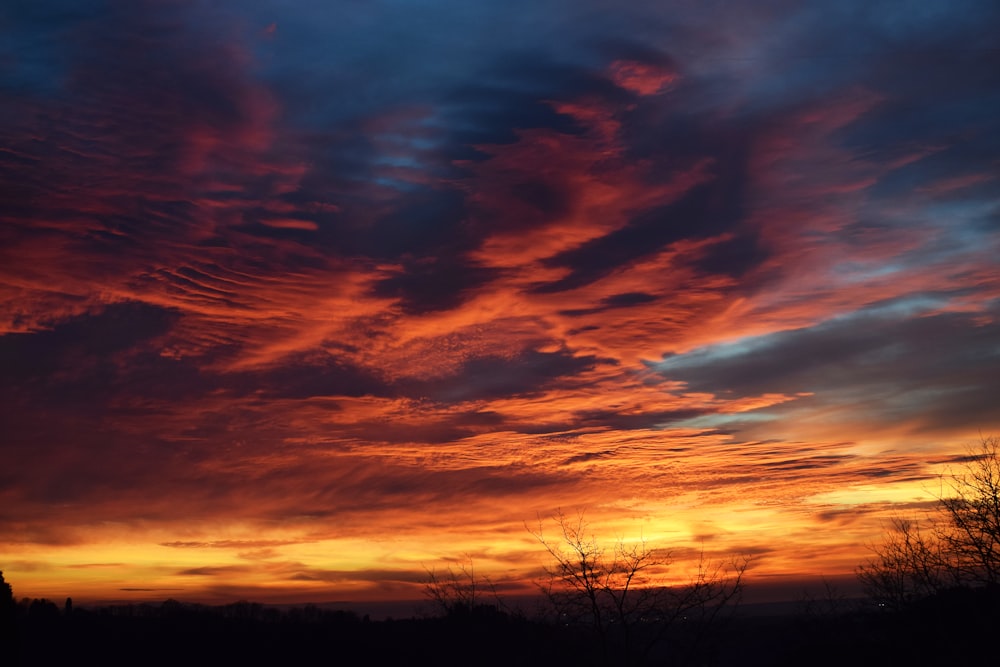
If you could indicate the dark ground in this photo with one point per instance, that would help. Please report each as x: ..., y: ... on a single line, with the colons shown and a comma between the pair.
x: 948, y: 629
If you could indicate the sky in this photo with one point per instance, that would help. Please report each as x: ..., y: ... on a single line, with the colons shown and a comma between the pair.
x: 300, y: 301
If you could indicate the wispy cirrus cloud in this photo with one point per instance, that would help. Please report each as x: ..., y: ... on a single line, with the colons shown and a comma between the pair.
x: 290, y: 312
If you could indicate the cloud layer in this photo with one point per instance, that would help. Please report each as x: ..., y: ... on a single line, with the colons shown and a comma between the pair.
x: 304, y: 301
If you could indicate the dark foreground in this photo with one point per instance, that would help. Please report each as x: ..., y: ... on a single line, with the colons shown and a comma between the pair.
x: 947, y: 629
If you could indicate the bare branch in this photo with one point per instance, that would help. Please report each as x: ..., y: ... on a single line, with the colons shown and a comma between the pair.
x: 457, y: 590
x: 961, y: 546
x: 614, y: 591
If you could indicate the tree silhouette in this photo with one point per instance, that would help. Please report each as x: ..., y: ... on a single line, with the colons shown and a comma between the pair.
x: 972, y: 533
x: 620, y: 593
x: 909, y: 565
x: 458, y: 591
x: 960, y: 547
x: 8, y: 620
x: 7, y: 602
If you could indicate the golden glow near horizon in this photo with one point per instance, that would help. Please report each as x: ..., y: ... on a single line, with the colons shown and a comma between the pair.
x: 275, y: 328
x: 787, y: 530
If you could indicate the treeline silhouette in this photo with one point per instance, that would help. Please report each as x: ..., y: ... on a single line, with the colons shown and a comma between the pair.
x: 947, y: 628
x: 40, y: 632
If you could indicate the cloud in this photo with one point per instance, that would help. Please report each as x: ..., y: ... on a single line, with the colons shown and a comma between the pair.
x: 380, y: 284
x: 530, y: 372
x: 900, y: 359
x: 641, y: 78
x: 228, y: 544
x: 434, y: 283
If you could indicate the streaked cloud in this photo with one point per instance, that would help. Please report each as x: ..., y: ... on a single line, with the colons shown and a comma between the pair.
x: 300, y: 302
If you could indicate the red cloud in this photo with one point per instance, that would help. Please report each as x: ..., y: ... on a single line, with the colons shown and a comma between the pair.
x: 641, y: 78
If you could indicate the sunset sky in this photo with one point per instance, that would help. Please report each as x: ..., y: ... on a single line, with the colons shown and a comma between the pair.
x: 299, y: 300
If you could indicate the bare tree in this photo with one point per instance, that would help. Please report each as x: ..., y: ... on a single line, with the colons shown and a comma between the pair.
x: 458, y: 591
x: 619, y: 592
x: 909, y: 565
x: 960, y: 545
x: 972, y: 533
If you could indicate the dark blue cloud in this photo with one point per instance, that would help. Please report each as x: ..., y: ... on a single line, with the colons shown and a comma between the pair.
x: 529, y: 373
x: 895, y: 359
x: 435, y: 283
x: 306, y: 376
x: 732, y: 257
x: 624, y: 300
x: 707, y: 210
